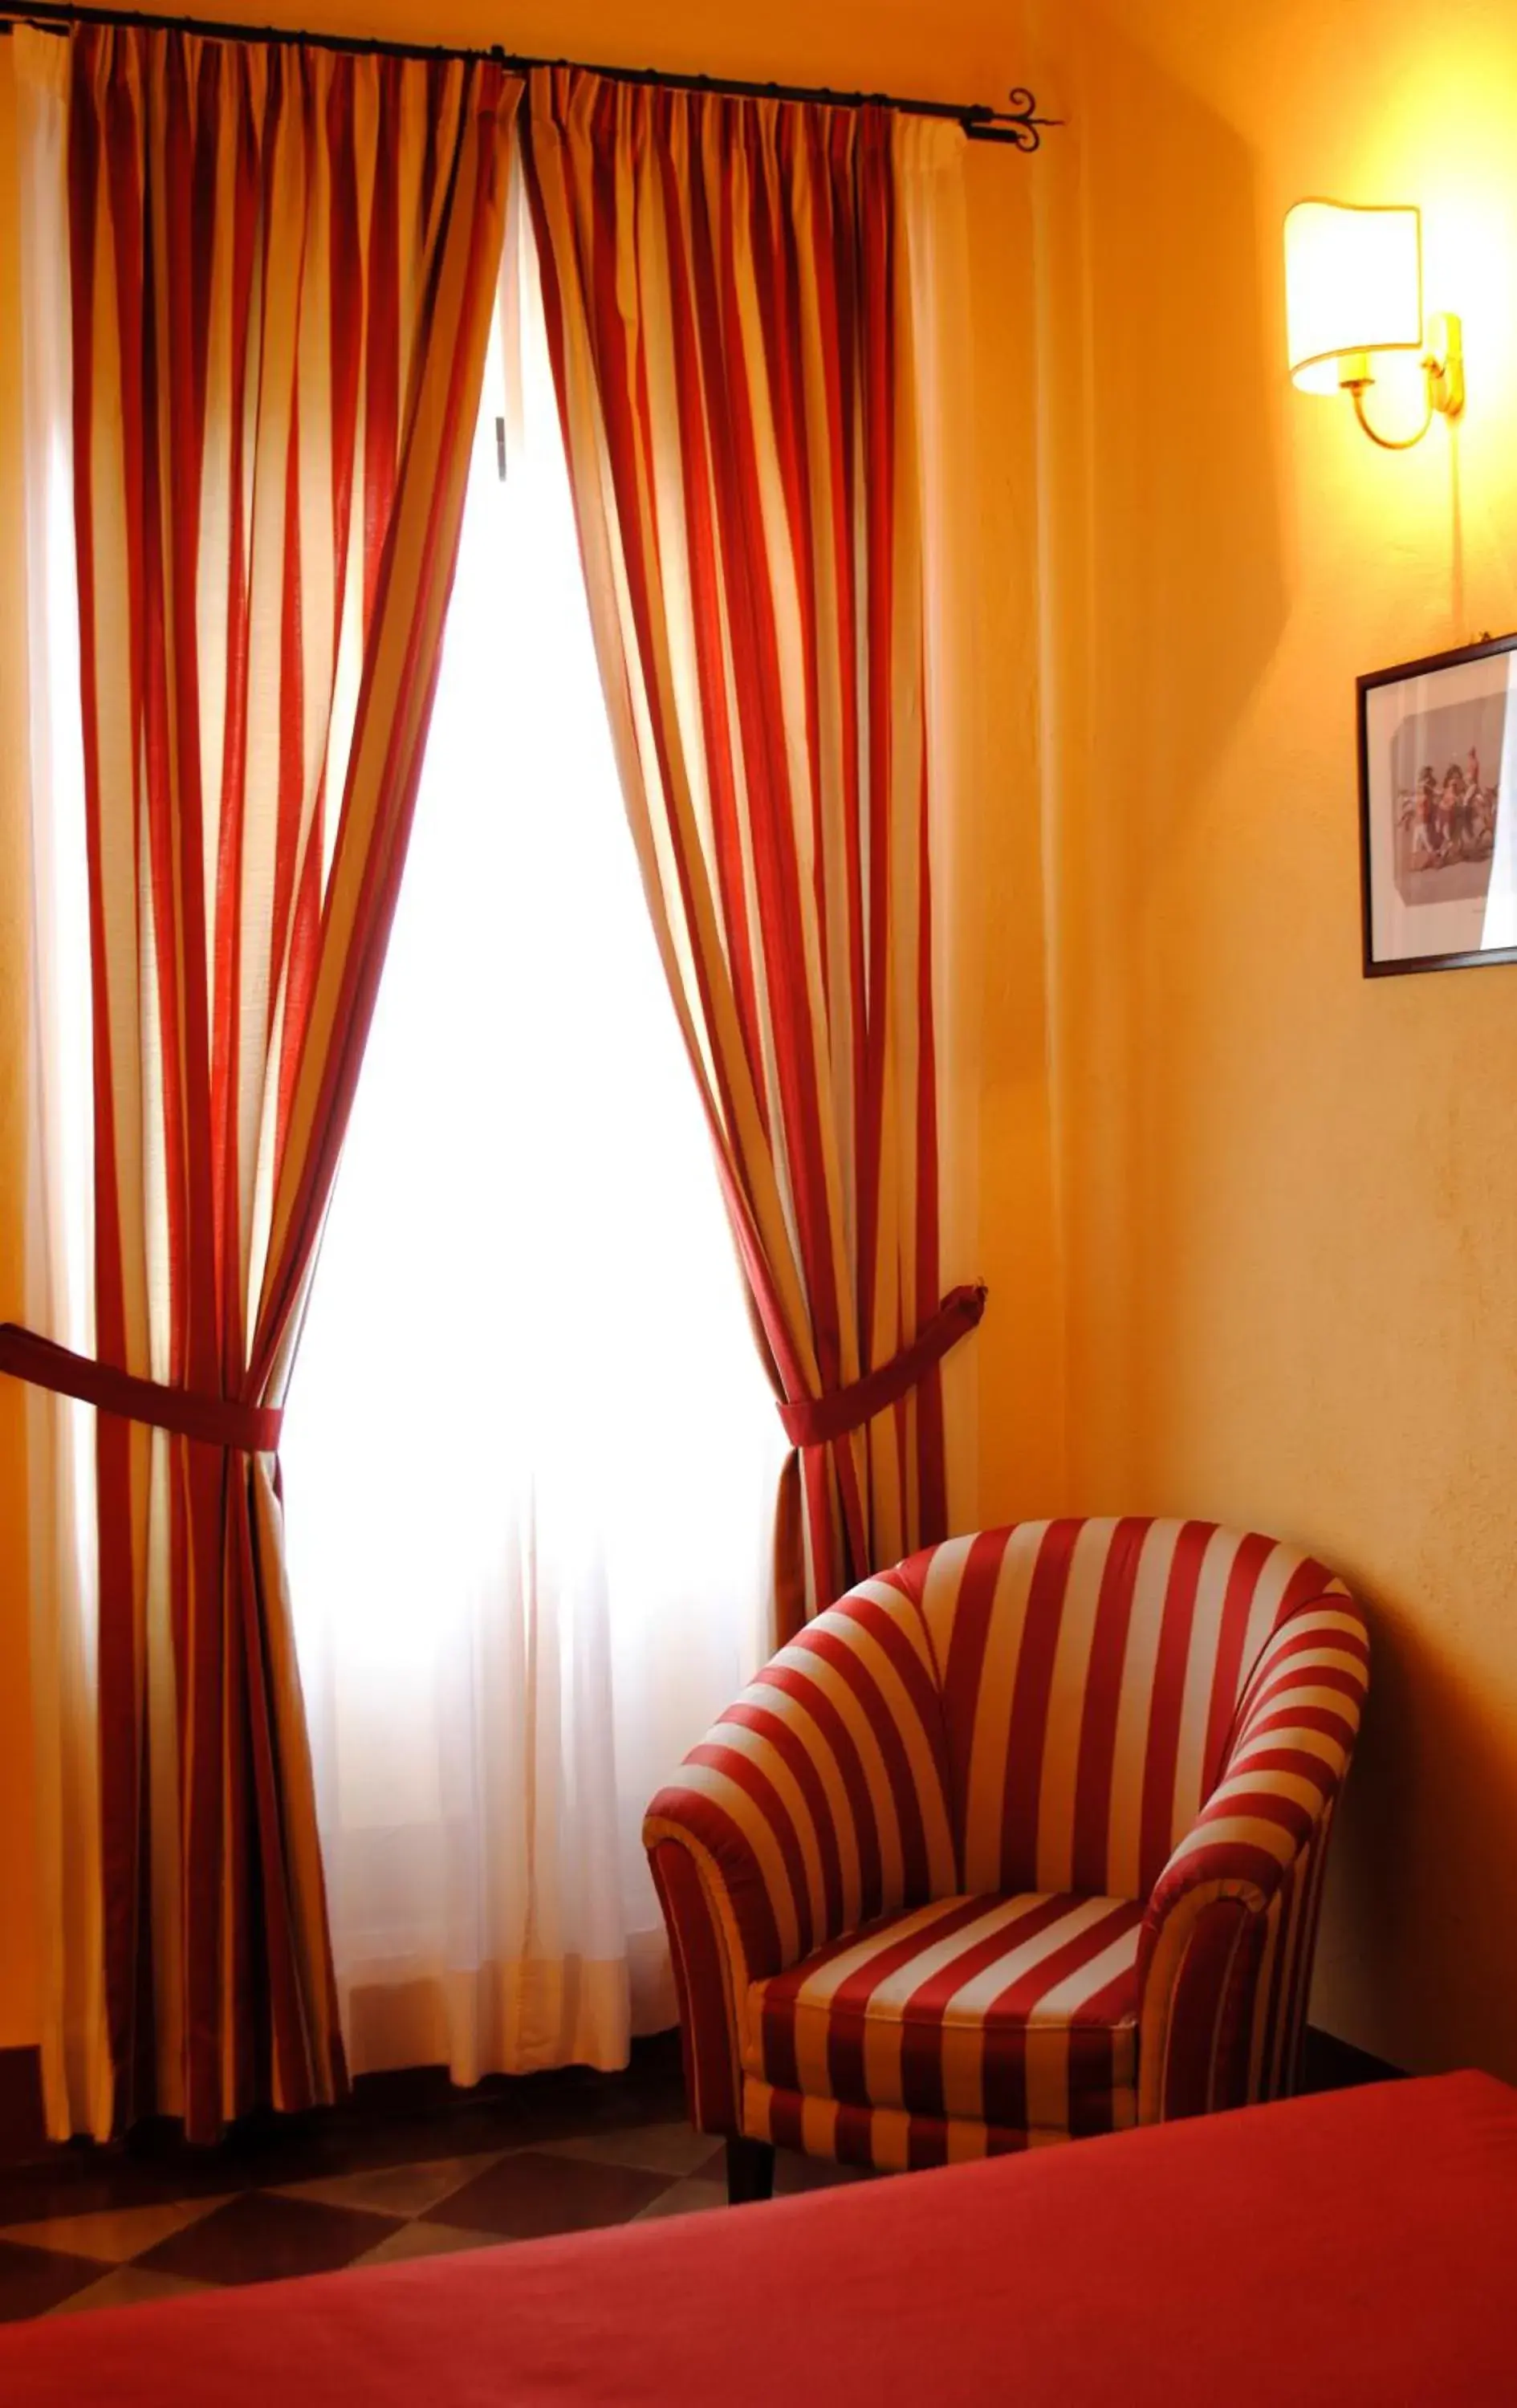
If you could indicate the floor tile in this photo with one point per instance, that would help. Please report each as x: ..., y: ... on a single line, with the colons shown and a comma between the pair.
x: 655, y: 2148
x: 406, y: 2169
x: 83, y: 2182
x: 684, y: 2199
x: 33, y: 2280
x: 395, y: 2191
x: 112, y: 2234
x: 426, y: 2240
x: 127, y: 2287
x: 793, y: 2173
x: 337, y: 2146
x: 261, y: 2237
x: 532, y: 2193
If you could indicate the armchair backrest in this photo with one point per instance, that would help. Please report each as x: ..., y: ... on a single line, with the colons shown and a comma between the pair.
x: 1090, y: 1673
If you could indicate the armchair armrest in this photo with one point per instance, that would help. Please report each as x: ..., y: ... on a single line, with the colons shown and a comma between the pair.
x: 818, y: 1800
x: 1226, y: 1940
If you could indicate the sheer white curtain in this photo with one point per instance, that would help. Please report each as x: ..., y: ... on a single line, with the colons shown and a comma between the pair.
x: 530, y: 1457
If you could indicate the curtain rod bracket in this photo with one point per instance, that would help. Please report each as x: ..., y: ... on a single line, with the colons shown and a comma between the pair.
x: 1017, y: 124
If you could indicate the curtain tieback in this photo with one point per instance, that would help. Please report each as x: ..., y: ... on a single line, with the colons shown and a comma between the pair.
x: 188, y: 1412
x: 811, y: 1421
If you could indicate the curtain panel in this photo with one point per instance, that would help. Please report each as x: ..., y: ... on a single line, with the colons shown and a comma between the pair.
x: 282, y: 265
x: 727, y: 297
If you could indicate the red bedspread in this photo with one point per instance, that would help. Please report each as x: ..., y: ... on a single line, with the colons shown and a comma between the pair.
x: 1346, y: 2249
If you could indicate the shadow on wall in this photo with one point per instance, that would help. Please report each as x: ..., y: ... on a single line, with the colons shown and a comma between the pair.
x: 1435, y: 1756
x: 1167, y: 565
x: 1187, y: 558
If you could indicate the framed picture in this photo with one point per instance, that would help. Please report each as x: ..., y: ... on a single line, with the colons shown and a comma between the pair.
x: 1437, y: 754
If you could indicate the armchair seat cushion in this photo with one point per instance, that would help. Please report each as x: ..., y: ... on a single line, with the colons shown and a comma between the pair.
x: 1017, y: 2012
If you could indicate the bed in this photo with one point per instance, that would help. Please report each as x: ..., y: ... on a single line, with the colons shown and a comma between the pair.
x: 1349, y: 2248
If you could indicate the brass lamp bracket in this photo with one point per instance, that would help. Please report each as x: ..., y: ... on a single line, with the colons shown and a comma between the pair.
x: 1443, y: 366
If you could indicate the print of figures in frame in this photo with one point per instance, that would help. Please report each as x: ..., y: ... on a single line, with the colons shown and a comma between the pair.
x: 1437, y: 819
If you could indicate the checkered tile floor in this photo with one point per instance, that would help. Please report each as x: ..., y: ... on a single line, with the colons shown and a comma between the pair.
x: 554, y: 2153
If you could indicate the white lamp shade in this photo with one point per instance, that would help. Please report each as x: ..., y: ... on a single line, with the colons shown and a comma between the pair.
x: 1354, y: 282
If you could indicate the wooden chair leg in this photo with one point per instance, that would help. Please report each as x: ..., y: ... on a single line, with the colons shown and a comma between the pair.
x: 750, y: 2170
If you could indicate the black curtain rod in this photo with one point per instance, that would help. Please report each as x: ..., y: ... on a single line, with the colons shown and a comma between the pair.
x: 1017, y: 124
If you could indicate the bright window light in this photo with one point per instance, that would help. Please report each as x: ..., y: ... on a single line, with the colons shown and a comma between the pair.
x: 530, y: 1454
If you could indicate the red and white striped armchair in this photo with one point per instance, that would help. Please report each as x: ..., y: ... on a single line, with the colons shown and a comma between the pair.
x: 1021, y: 1841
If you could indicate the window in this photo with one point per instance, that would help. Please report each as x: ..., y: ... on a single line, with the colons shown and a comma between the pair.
x: 530, y: 1453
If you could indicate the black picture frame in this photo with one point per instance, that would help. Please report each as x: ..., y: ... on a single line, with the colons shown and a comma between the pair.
x: 1439, y: 853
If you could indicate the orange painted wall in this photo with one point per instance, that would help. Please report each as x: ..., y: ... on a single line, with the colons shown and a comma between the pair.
x: 1287, y: 1190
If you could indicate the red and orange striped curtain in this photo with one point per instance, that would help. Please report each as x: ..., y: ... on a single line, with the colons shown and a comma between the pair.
x: 727, y: 301
x: 283, y: 264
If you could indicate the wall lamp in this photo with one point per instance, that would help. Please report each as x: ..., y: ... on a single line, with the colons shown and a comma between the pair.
x: 1353, y: 288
